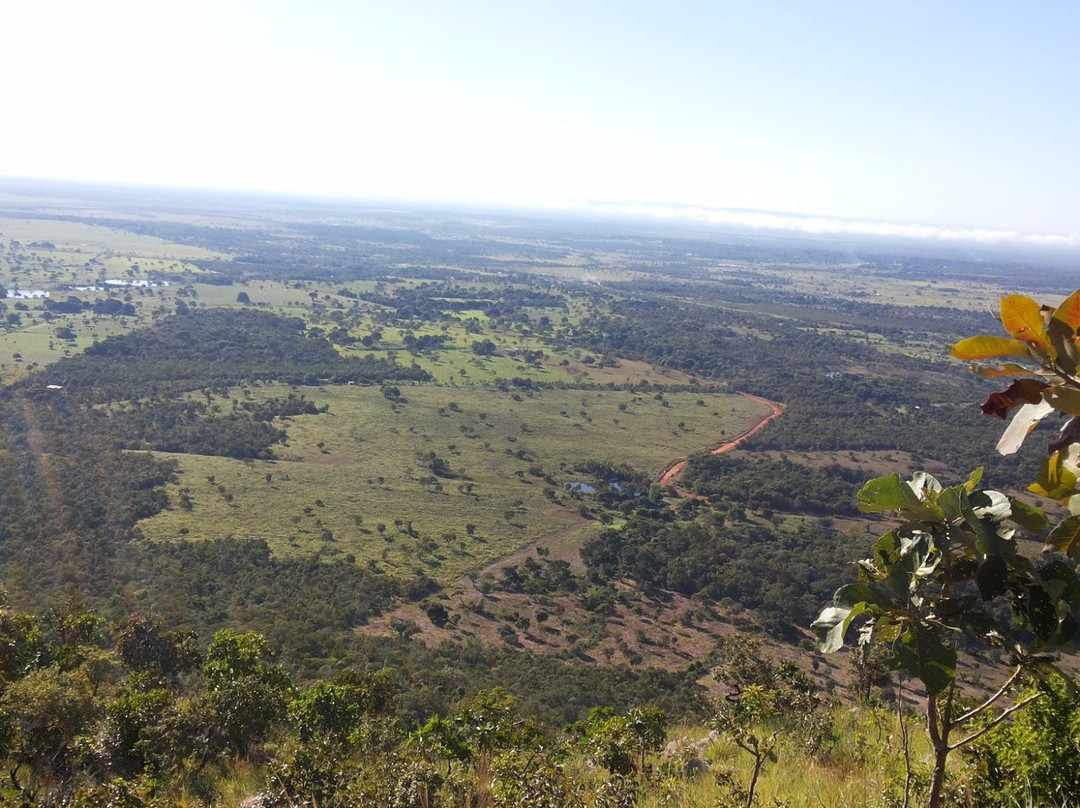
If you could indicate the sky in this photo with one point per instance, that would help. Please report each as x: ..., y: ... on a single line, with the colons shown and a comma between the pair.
x: 949, y: 119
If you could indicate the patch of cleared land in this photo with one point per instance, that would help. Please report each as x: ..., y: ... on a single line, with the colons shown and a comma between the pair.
x: 502, y: 463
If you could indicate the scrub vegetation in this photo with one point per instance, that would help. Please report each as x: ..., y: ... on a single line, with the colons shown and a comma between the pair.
x: 358, y: 507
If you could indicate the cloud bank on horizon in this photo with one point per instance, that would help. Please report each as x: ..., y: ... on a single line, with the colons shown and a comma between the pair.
x: 831, y: 226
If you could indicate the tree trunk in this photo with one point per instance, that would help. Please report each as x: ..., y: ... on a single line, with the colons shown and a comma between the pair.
x: 759, y: 761
x: 939, y: 724
x: 937, y: 782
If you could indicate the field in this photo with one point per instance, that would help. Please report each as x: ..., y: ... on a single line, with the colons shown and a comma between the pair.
x: 427, y: 467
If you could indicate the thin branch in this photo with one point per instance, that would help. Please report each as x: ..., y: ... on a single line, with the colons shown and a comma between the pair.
x: 1004, y: 714
x: 904, y: 738
x: 976, y: 710
x: 1070, y: 381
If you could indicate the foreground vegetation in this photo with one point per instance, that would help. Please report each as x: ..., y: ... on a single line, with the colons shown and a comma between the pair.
x: 134, y: 714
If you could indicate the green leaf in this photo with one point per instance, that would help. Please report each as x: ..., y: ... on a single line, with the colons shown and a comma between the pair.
x: 1065, y: 538
x: 886, y: 546
x: 923, y: 653
x: 1057, y: 571
x: 832, y: 624
x: 1067, y: 632
x: 850, y: 595
x: 924, y: 486
x: 1064, y: 399
x: 949, y: 502
x: 881, y: 494
x: 1040, y: 612
x: 987, y: 539
x: 898, y: 579
x: 1056, y: 480
x: 1030, y: 518
x: 989, y: 347
x: 990, y: 505
x: 914, y: 499
x: 1061, y: 337
x: 887, y: 630
x: 955, y: 608
x: 919, y: 497
x: 991, y: 577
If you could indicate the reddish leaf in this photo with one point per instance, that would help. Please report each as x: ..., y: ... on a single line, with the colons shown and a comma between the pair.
x: 1024, y: 391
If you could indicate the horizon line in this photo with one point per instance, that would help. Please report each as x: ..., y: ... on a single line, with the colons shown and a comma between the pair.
x: 810, y: 224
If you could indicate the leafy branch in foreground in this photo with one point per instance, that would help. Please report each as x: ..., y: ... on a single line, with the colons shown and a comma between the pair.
x: 952, y: 567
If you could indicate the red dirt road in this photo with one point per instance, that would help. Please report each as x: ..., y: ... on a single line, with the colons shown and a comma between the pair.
x: 668, y: 477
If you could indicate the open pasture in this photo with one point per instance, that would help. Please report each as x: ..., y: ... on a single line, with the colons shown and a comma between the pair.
x: 433, y: 463
x: 45, y: 254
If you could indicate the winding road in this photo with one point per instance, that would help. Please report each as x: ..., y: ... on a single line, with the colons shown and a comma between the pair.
x: 668, y: 477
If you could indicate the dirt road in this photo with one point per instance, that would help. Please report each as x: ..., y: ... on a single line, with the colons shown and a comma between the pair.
x: 668, y: 477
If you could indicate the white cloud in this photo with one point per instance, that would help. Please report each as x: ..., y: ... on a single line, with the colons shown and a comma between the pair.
x: 819, y: 225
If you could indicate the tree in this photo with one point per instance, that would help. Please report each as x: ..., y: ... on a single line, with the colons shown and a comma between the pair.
x: 23, y: 642
x: 765, y: 702
x: 648, y: 726
x: 609, y: 741
x: 45, y: 713
x: 870, y: 666
x: 1035, y: 760
x: 483, y: 347
x: 143, y: 645
x: 246, y: 696
x: 952, y: 568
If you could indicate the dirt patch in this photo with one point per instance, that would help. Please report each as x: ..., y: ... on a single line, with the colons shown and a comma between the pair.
x: 665, y: 633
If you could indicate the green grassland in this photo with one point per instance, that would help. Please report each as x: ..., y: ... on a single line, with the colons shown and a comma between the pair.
x: 83, y: 253
x: 852, y: 282
x: 507, y: 459
x: 55, y: 256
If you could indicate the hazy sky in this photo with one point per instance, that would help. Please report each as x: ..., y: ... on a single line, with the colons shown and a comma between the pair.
x: 945, y: 113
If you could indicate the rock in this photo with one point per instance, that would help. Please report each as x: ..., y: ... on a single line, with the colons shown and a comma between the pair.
x: 696, y: 766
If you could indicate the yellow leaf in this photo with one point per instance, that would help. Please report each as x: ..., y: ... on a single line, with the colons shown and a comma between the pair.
x: 1069, y: 311
x: 1064, y: 399
x: 1023, y: 318
x: 1007, y: 369
x: 987, y: 347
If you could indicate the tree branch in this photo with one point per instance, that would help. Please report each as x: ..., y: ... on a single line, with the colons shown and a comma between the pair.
x: 1004, y: 714
x: 1001, y: 692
